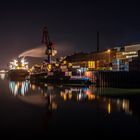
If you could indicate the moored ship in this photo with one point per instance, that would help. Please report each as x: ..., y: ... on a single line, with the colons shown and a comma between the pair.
x: 18, y: 69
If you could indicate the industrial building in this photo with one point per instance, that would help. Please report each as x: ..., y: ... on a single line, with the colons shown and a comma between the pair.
x: 116, y: 59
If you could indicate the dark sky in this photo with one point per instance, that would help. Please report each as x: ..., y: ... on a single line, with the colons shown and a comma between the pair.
x: 72, y: 22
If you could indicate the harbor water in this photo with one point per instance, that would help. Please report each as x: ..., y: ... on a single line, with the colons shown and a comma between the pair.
x: 30, y: 109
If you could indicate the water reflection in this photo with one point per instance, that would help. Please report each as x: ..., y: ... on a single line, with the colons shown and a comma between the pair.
x: 89, y: 108
x: 58, y: 107
x: 19, y: 87
x: 88, y: 94
x: 78, y: 94
x: 53, y: 96
x: 33, y: 94
x: 113, y: 105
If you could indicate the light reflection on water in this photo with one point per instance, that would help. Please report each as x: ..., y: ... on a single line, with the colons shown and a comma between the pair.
x: 88, y: 94
x: 54, y: 95
x: 19, y: 87
x: 81, y: 107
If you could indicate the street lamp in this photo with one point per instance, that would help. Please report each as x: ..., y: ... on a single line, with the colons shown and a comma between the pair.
x: 109, y: 54
x: 108, y: 50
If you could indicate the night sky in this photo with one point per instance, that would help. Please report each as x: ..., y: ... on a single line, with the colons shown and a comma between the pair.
x: 72, y: 25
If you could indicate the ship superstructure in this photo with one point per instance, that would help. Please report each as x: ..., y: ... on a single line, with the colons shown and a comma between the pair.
x: 19, y: 63
x: 18, y: 69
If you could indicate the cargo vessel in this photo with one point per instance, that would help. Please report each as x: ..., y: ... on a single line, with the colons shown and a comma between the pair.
x: 18, y: 69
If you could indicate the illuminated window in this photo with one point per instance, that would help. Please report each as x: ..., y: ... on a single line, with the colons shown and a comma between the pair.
x: 91, y: 64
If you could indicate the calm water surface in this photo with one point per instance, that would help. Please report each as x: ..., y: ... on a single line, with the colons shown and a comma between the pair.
x: 31, y: 109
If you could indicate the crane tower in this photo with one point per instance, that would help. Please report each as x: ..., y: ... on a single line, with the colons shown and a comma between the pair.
x: 48, y: 44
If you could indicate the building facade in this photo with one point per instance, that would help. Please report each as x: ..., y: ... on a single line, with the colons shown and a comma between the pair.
x: 117, y: 58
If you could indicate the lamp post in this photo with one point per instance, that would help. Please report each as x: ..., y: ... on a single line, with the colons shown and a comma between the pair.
x: 109, y: 51
x: 109, y: 55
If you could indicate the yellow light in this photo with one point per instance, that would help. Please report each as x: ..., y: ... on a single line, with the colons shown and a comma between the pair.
x: 70, y: 96
x: 49, y: 67
x: 56, y: 65
x: 65, y: 97
x: 91, y: 64
x: 70, y: 64
x: 109, y: 108
x: 91, y: 97
x: 108, y: 50
x: 65, y: 62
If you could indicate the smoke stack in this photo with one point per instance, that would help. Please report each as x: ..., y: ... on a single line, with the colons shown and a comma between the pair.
x: 98, y: 42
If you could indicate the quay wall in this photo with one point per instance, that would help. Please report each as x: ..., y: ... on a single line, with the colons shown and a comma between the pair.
x: 118, y: 79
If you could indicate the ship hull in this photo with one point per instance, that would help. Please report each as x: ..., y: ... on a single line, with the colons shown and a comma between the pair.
x: 18, y: 74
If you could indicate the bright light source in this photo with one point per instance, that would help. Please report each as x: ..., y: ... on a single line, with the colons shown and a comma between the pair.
x: 19, y: 64
x: 108, y: 50
x: 79, y: 70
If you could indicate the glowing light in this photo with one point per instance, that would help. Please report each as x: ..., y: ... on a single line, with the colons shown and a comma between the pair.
x: 2, y: 71
x: 33, y: 87
x: 18, y: 87
x: 88, y: 92
x: 80, y: 96
x: 89, y: 74
x: 2, y: 76
x: 65, y: 97
x: 54, y: 52
x: 125, y: 105
x: 108, y: 50
x: 65, y: 62
x: 45, y: 85
x: 56, y: 65
x: 79, y: 70
x: 131, y: 56
x: 49, y: 67
x: 109, y: 108
x: 19, y: 64
x: 70, y: 96
x: 91, y: 97
x: 128, y: 53
x: 70, y: 64
x: 91, y: 64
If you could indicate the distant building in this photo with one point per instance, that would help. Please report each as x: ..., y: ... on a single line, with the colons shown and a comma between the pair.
x: 125, y: 55
x: 134, y: 65
x: 93, y: 60
x: 117, y: 58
